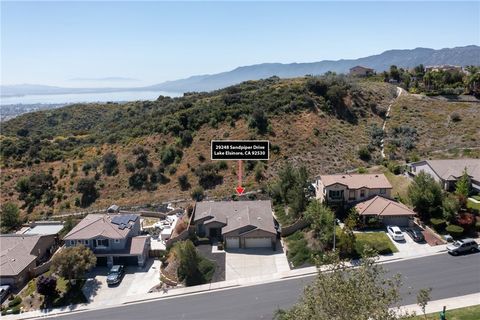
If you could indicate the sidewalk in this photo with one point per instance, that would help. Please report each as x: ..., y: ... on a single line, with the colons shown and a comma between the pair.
x: 451, y: 303
x: 223, y: 285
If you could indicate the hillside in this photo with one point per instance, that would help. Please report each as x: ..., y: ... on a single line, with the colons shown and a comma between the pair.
x: 318, y: 122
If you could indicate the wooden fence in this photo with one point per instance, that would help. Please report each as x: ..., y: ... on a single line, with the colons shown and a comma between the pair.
x: 299, y: 224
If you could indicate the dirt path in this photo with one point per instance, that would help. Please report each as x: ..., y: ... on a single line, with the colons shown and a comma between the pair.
x: 400, y: 91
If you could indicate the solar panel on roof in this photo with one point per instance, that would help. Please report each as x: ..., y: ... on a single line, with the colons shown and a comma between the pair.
x: 123, y: 220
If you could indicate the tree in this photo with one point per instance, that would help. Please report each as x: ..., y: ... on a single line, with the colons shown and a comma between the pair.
x: 73, y: 262
x: 197, y: 193
x: 450, y: 207
x: 67, y: 226
x: 462, y: 188
x: 183, y: 182
x: 47, y: 285
x: 291, y: 188
x: 425, y: 194
x: 423, y: 297
x: 10, y: 217
x: 346, y: 242
x: 342, y: 293
x: 394, y: 73
x: 259, y: 121
x: 87, y: 188
x: 110, y: 164
x: 321, y: 219
x: 193, y: 268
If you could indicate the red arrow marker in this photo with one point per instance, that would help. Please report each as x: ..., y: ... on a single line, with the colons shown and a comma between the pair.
x: 239, y: 188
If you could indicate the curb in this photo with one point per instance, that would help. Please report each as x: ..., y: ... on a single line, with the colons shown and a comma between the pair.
x: 179, y: 294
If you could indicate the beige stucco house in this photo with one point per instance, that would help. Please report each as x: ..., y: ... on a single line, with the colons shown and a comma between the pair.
x: 387, y: 211
x: 448, y: 171
x: 343, y: 189
x: 361, y: 71
x: 20, y: 254
x: 241, y: 224
x: 113, y: 238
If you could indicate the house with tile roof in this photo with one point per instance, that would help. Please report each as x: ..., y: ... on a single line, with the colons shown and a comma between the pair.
x: 342, y: 189
x: 240, y: 224
x: 448, y: 171
x: 20, y: 254
x: 113, y: 238
x: 385, y: 210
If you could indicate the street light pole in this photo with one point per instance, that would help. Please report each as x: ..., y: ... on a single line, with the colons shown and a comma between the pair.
x: 334, y: 232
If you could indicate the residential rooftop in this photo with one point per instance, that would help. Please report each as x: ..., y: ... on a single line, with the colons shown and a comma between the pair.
x: 237, y: 214
x: 357, y: 181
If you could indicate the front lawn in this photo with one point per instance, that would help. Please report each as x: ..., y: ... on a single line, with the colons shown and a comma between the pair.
x: 468, y: 313
x: 375, y: 240
x: 473, y: 205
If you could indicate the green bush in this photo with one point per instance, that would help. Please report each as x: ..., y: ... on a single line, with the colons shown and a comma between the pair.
x: 438, y: 224
x: 455, y: 231
x: 15, y: 302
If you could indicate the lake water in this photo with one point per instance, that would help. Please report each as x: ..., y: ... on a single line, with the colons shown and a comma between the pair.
x: 87, y: 97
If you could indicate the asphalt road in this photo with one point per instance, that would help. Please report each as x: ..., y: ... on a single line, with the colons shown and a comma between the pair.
x: 448, y: 276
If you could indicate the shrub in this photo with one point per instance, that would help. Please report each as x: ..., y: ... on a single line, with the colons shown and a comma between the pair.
x: 438, y: 224
x: 364, y: 154
x: 183, y: 182
x: 465, y: 220
x: 197, y: 194
x: 477, y: 226
x: 454, y: 230
x: 15, y: 302
x: 455, y: 117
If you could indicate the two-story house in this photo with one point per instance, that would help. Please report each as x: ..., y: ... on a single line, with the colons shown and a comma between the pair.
x: 343, y: 189
x: 113, y: 238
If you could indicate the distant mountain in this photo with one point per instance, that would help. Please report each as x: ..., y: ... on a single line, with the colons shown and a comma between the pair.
x: 463, y: 56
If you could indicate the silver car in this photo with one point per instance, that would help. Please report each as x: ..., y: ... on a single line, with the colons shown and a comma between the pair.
x: 461, y: 246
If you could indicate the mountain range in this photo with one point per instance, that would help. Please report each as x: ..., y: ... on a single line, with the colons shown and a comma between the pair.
x: 408, y: 58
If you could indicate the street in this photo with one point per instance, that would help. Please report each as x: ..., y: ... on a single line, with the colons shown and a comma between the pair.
x: 448, y: 276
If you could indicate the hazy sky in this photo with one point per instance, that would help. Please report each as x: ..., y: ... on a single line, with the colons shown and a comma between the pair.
x: 138, y: 43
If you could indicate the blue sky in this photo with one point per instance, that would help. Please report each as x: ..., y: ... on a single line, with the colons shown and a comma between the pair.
x: 73, y: 43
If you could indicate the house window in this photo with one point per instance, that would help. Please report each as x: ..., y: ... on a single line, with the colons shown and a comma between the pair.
x: 102, y: 242
x: 383, y: 191
x: 72, y: 242
x: 362, y: 193
x: 351, y: 195
x: 86, y: 242
x: 335, y: 194
x: 116, y: 240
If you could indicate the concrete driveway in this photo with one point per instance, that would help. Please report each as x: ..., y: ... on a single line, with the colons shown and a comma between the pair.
x: 136, y: 281
x: 409, y: 248
x: 255, y: 262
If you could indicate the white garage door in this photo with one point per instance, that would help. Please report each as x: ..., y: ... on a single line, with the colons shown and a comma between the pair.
x: 258, y: 242
x: 232, y: 242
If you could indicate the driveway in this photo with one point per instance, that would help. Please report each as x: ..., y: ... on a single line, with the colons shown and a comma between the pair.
x: 409, y: 248
x: 136, y: 281
x: 257, y: 262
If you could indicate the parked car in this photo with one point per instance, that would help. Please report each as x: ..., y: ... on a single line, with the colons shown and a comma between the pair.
x: 415, y: 234
x: 115, y: 274
x: 4, y: 292
x: 462, y: 246
x: 395, y: 233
